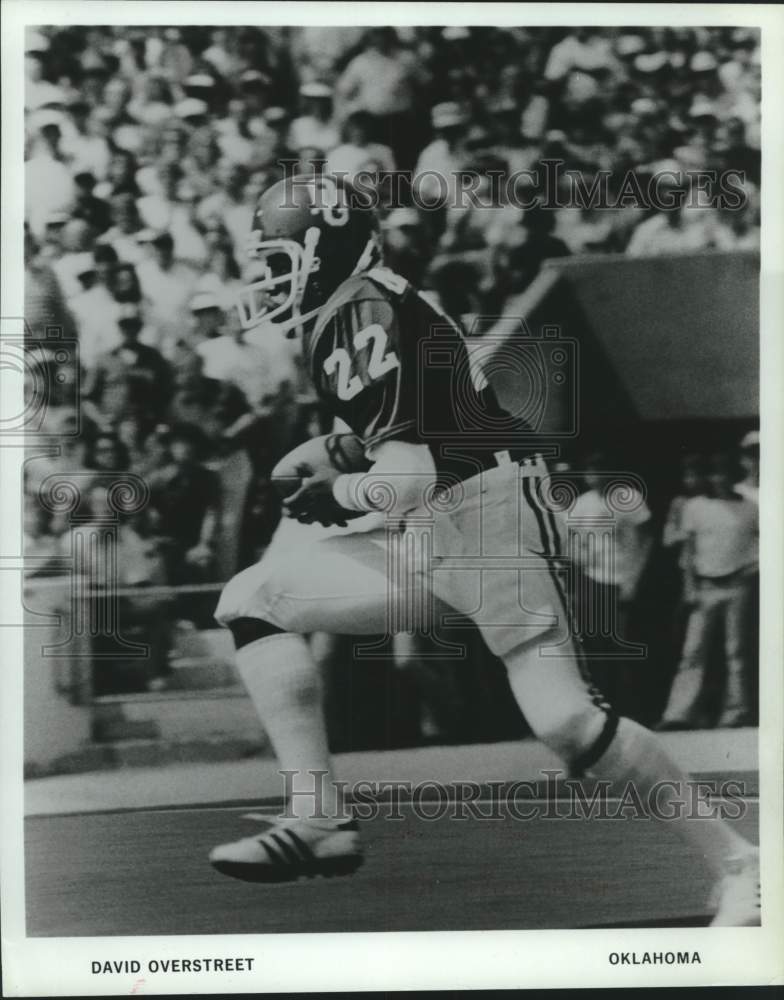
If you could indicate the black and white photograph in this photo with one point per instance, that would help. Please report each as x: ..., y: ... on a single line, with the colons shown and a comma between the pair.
x: 391, y: 490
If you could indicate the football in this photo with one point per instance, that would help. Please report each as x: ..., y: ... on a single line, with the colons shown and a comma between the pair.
x: 340, y: 452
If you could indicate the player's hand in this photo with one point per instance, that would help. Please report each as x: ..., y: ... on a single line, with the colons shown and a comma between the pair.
x: 314, y: 501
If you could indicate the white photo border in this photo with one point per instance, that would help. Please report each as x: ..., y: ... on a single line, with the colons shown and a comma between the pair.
x: 422, y: 960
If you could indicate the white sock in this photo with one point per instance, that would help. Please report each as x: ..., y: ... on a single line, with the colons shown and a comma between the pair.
x: 285, y: 687
x: 636, y: 755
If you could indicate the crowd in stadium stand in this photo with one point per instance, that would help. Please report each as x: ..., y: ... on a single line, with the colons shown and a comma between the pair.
x: 146, y: 149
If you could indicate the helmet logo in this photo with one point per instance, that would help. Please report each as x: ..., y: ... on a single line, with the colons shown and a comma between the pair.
x: 325, y: 196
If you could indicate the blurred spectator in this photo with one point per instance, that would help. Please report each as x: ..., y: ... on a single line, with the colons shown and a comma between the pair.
x: 51, y: 246
x: 42, y: 550
x: 116, y: 119
x: 487, y: 218
x: 75, y: 239
x: 213, y: 406
x: 270, y: 137
x: 145, y: 449
x: 123, y: 282
x: 43, y: 298
x: 206, y: 327
x: 316, y: 125
x: 720, y: 558
x: 229, y: 203
x: 679, y: 229
x: 126, y: 225
x: 258, y: 363
x: 359, y: 153
x: 153, y: 105
x: 108, y: 454
x: 455, y: 289
x: 586, y: 51
x: 185, y: 498
x: 172, y: 206
x: 311, y: 161
x: 94, y: 308
x: 38, y: 90
x: 233, y: 135
x: 384, y: 81
x: 439, y: 163
x: 223, y: 276
x: 83, y: 147
x: 406, y: 246
x: 129, y: 557
x: 121, y: 175
x: 130, y: 377
x: 519, y: 265
x: 748, y: 487
x: 692, y: 484
x: 49, y: 186
x: 167, y: 285
x: 95, y: 211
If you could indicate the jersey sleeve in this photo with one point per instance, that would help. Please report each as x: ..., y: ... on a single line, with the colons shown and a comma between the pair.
x: 356, y: 367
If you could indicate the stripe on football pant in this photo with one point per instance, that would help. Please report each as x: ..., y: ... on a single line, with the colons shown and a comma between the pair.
x: 551, y: 545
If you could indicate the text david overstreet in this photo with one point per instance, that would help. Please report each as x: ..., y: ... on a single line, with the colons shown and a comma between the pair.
x: 175, y: 965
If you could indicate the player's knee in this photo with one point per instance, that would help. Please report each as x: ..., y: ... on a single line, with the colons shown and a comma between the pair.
x: 245, y: 630
x: 572, y: 735
x: 244, y: 606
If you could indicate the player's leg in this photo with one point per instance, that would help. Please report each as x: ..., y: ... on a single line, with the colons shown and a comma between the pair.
x: 528, y: 624
x: 735, y: 711
x: 689, y: 678
x: 337, y: 585
x: 566, y: 713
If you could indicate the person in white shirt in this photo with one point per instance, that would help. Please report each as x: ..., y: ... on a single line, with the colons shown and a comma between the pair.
x: 49, y: 187
x: 85, y: 149
x: 96, y: 313
x: 683, y: 228
x: 126, y: 225
x: 748, y: 488
x: 720, y: 560
x: 76, y: 239
x: 38, y: 91
x: 587, y: 50
x: 384, y: 81
x: 260, y: 363
x: 358, y: 154
x: 168, y: 285
x: 316, y: 127
x: 171, y: 207
x: 229, y: 204
x: 439, y: 162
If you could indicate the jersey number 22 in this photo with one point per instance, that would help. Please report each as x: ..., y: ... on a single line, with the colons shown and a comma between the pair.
x: 379, y: 363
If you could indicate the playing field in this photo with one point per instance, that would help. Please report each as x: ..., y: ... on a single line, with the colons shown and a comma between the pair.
x: 145, y: 871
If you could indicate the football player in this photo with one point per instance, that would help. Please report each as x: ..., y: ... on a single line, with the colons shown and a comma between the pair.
x: 466, y: 499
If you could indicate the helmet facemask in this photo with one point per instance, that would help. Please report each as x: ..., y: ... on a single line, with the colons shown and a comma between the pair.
x: 276, y: 295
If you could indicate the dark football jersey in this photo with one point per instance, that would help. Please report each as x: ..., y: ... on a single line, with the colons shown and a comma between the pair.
x: 392, y: 366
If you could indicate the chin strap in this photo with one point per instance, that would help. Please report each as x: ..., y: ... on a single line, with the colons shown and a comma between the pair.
x: 369, y: 257
x: 296, y: 325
